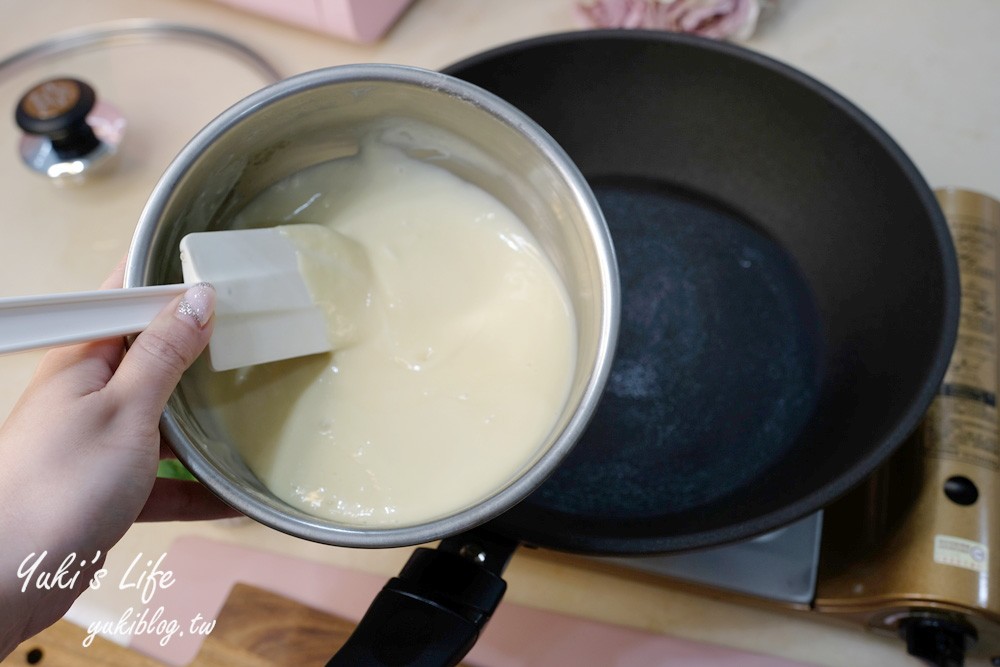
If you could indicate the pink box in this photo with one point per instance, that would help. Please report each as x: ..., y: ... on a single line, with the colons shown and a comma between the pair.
x: 356, y: 20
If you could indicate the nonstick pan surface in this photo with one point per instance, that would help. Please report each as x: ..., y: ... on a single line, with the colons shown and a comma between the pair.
x: 789, y: 289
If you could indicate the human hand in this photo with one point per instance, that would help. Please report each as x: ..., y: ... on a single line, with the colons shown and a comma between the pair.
x: 79, y: 453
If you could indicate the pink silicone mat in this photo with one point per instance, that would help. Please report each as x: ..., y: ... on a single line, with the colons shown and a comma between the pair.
x: 517, y: 636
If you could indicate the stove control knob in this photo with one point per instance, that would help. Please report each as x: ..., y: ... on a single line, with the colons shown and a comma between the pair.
x: 68, y: 134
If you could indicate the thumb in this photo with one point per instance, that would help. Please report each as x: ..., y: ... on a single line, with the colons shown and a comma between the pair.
x: 158, y: 357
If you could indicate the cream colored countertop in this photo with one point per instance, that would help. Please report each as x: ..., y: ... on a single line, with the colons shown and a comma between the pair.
x: 924, y: 70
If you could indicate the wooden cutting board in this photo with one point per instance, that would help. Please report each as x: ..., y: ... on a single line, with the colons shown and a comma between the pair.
x: 255, y: 628
x: 62, y: 646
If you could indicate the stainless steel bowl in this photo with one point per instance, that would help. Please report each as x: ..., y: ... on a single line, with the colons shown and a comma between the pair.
x: 322, y: 115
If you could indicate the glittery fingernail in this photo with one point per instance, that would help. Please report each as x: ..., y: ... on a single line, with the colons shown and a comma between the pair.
x: 198, y: 303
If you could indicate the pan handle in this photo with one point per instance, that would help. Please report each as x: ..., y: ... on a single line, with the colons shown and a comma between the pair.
x: 432, y: 613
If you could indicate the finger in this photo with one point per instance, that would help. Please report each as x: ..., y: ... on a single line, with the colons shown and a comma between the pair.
x: 117, y: 276
x: 96, y: 360
x: 111, y: 349
x: 181, y: 500
x: 165, y: 451
x: 158, y: 357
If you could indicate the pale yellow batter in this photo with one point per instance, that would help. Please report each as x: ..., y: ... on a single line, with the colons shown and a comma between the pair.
x: 454, y: 370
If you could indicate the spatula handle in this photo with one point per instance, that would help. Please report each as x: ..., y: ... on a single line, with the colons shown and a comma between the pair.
x: 31, y: 322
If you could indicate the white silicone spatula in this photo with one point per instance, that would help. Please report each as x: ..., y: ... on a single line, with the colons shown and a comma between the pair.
x: 264, y: 310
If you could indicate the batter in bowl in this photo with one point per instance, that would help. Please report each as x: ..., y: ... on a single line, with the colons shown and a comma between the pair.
x: 457, y: 367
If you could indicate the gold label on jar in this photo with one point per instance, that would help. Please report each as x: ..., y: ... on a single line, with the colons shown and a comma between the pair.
x: 961, y: 423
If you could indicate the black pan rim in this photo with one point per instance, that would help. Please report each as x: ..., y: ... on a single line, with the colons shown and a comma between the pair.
x: 512, y: 523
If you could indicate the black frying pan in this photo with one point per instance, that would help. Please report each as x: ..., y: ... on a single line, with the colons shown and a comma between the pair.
x: 790, y: 301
